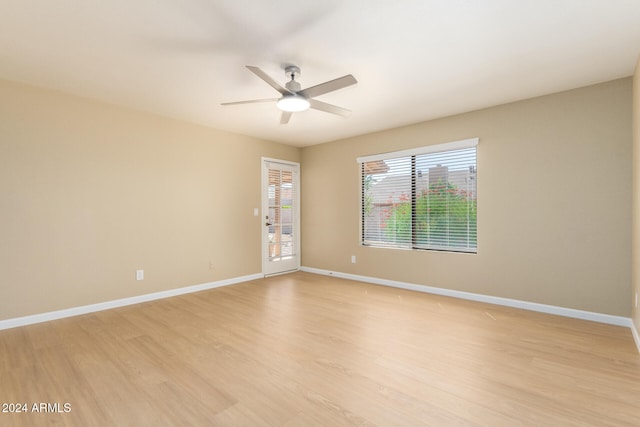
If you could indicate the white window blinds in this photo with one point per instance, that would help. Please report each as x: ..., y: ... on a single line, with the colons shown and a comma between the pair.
x: 422, y: 198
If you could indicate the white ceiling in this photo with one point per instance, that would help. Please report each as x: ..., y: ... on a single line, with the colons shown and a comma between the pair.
x: 414, y: 59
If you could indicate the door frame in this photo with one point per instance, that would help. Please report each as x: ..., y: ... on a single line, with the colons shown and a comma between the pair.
x: 264, y: 235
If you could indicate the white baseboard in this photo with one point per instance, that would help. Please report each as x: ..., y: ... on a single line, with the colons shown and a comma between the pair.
x: 543, y: 308
x: 75, y: 311
x: 636, y: 335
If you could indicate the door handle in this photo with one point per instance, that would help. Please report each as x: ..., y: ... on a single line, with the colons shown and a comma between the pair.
x: 268, y: 224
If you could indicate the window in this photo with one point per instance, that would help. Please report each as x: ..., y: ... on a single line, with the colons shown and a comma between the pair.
x: 422, y: 198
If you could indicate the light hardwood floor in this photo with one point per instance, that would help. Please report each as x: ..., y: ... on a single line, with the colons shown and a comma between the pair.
x: 309, y: 350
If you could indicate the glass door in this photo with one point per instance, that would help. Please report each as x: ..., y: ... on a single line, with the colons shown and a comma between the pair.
x: 280, y: 209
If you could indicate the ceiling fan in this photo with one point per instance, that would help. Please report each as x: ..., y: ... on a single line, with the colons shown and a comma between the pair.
x: 294, y: 99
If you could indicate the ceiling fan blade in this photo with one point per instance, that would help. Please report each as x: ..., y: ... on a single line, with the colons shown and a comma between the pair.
x: 284, y: 119
x: 330, y: 86
x: 264, y: 76
x: 328, y: 108
x: 253, y: 101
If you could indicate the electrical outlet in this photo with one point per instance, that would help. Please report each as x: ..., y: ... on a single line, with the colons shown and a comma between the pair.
x: 139, y: 274
x: 211, y: 265
x: 353, y: 259
x: 636, y: 299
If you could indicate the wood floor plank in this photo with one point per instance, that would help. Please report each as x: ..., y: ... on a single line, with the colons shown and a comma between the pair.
x: 309, y: 350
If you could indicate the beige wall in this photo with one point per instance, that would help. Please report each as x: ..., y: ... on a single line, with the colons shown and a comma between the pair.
x: 554, y: 202
x: 636, y: 197
x: 90, y: 192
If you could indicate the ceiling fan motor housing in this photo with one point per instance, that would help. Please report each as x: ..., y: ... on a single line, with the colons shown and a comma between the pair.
x: 292, y: 72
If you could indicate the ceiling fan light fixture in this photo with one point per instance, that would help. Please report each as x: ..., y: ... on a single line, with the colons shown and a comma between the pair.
x: 293, y: 103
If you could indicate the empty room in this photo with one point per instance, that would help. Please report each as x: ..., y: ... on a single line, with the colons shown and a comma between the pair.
x: 336, y: 213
